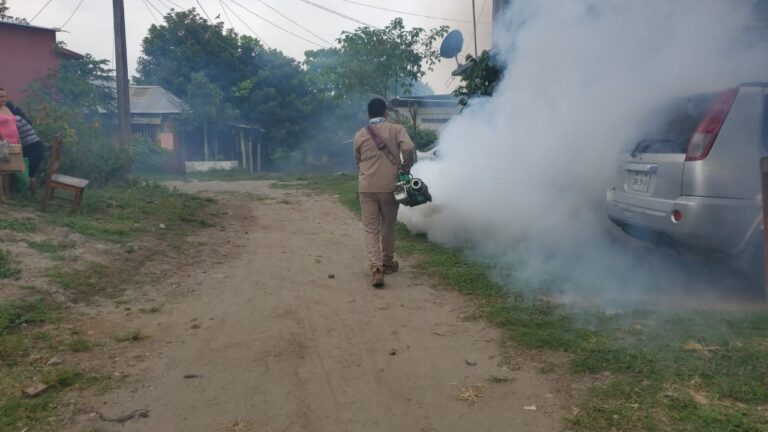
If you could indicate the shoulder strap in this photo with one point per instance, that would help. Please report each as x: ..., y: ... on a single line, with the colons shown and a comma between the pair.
x: 381, y: 145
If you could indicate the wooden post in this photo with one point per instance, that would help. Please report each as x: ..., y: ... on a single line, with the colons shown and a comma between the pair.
x: 242, y: 147
x: 206, y: 153
x: 121, y: 68
x: 250, y: 148
x: 258, y: 155
x: 764, y: 182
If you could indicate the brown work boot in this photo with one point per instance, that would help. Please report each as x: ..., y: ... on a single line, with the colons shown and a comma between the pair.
x: 33, y: 186
x: 392, y: 267
x: 378, y: 278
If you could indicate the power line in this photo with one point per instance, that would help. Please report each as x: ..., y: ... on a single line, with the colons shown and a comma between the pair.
x: 148, y: 2
x: 181, y: 8
x: 73, y: 14
x: 226, y: 15
x: 206, y: 35
x: 162, y: 2
x: 275, y: 25
x: 40, y: 11
x: 245, y: 24
x: 152, y: 14
x: 329, y: 10
x: 204, y: 12
x: 294, y: 22
x: 406, y: 13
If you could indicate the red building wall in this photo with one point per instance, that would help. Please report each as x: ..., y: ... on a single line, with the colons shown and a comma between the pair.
x: 26, y: 54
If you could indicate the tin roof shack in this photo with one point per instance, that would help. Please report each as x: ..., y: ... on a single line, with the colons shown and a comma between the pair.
x: 29, y: 54
x: 154, y: 114
x: 430, y: 112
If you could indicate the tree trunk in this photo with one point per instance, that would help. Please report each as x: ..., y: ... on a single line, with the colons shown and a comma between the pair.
x: 215, y: 146
x: 207, y: 154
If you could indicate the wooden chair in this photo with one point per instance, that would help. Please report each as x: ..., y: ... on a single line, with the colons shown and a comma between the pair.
x: 75, y: 186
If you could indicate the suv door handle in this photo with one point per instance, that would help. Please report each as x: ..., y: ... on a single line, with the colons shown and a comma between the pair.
x: 650, y: 168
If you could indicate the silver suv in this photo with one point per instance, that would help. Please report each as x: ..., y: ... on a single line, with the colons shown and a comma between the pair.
x: 694, y: 180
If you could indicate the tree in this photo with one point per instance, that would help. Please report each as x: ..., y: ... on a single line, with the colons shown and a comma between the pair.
x: 187, y: 43
x: 4, y: 14
x: 224, y: 76
x: 480, y: 78
x: 206, y: 105
x: 75, y: 101
x: 382, y: 61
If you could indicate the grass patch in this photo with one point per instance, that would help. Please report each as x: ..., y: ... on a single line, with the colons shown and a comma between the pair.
x: 121, y: 213
x: 79, y: 345
x: 672, y: 371
x: 84, y: 282
x: 131, y: 336
x: 151, y: 309
x: 68, y: 377
x: 17, y: 226
x: 20, y: 336
x: 15, y: 313
x: 7, y: 268
x: 50, y: 246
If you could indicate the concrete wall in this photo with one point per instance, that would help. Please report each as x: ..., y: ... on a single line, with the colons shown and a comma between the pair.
x: 431, y: 117
x: 203, y: 166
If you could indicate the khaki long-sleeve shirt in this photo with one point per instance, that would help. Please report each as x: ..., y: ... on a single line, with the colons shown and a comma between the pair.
x: 377, y: 172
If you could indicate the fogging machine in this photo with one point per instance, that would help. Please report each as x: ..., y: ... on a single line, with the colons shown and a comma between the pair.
x: 410, y: 191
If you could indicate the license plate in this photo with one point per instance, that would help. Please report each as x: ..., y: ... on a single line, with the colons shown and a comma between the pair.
x: 639, y: 181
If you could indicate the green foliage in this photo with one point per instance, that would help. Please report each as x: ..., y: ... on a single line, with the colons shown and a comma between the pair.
x: 68, y: 103
x: 148, y: 157
x: 223, y: 76
x: 424, y: 139
x: 480, y: 79
x: 186, y: 44
x: 5, y: 17
x: 374, y: 61
x: 15, y: 313
x: 7, y: 268
x: 18, y: 226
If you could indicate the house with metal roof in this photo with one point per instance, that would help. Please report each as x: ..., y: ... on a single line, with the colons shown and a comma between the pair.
x: 30, y: 53
x: 154, y: 111
x: 430, y: 112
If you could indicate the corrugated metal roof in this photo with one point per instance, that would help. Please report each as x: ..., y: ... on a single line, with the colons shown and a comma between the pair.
x: 154, y: 100
x: 29, y: 26
x: 444, y: 100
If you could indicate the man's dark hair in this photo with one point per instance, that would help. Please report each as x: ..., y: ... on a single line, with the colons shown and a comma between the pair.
x: 376, y: 108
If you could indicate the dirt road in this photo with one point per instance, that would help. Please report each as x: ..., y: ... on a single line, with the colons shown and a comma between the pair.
x: 270, y: 341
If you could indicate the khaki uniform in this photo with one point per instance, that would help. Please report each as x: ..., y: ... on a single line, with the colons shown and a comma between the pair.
x: 377, y: 182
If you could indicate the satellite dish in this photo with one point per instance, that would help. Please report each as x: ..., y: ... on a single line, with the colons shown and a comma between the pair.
x: 452, y: 44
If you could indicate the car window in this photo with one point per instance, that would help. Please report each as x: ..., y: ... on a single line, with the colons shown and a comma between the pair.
x: 668, y: 129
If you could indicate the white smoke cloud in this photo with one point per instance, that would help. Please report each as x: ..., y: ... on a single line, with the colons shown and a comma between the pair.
x: 522, y: 176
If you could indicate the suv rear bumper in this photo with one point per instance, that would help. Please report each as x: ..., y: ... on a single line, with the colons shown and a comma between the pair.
x: 723, y: 225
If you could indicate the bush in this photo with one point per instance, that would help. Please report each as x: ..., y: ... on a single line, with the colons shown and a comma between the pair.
x: 148, y: 156
x: 424, y: 139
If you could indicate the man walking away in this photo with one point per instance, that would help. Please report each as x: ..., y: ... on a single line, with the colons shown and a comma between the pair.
x: 381, y: 149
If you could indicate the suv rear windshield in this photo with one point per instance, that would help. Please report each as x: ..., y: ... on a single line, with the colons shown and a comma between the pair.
x: 669, y: 129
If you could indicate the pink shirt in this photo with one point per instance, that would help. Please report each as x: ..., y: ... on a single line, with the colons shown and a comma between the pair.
x: 8, y: 129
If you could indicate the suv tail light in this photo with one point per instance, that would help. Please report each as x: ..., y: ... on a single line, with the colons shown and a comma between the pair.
x: 706, y: 133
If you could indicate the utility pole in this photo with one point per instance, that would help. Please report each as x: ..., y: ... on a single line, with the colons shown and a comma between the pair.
x: 474, y: 26
x: 121, y: 67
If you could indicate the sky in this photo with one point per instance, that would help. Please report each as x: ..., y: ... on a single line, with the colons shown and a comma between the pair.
x: 90, y: 28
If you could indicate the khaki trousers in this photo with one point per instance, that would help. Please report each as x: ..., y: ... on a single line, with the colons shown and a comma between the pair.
x: 379, y: 211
